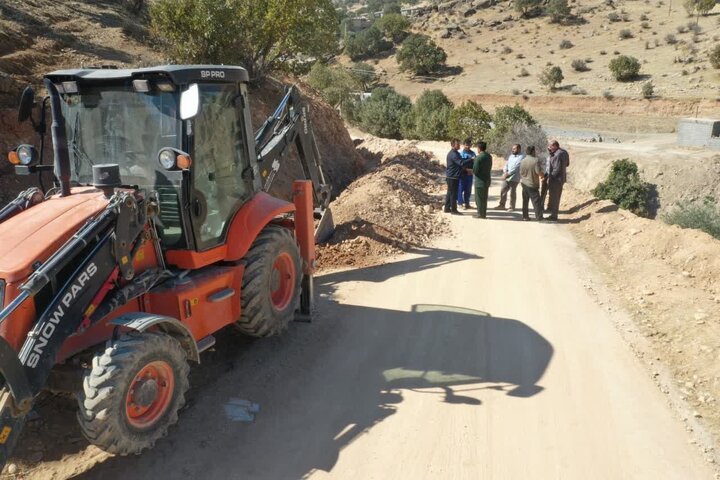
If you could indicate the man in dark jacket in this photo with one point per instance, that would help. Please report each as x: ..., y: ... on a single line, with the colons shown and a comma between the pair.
x: 466, y: 177
x: 558, y: 162
x: 454, y: 169
x: 482, y: 170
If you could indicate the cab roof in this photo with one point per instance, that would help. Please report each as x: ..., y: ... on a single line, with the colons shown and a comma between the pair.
x: 178, y: 74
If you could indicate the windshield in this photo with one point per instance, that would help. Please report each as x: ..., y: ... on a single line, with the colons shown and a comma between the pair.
x: 119, y: 125
x: 115, y: 124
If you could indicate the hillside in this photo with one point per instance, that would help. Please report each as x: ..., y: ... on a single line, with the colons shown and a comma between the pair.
x: 501, y: 55
x: 38, y: 36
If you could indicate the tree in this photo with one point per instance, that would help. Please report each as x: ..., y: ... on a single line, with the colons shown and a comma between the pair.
x: 364, y: 74
x: 699, y: 7
x: 527, y: 7
x: 648, y: 90
x: 715, y: 57
x: 624, y: 68
x: 394, y: 26
x: 557, y: 10
x: 420, y: 55
x: 260, y: 36
x: 503, y: 121
x: 367, y: 43
x: 429, y: 117
x: 380, y: 114
x: 334, y: 84
x: 469, y: 120
x: 551, y: 77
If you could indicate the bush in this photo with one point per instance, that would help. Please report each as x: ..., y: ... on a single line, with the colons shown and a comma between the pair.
x: 503, y: 121
x: 420, y: 55
x: 625, y: 188
x: 715, y: 57
x: 469, y: 120
x: 565, y: 44
x: 624, y: 68
x: 648, y: 90
x: 250, y: 34
x: 551, y: 77
x: 701, y: 7
x: 429, y: 117
x: 527, y: 7
x: 366, y: 43
x: 523, y: 73
x: 521, y: 133
x: 670, y: 39
x: 364, y: 74
x: 703, y: 216
x: 394, y: 26
x: 681, y: 29
x: 579, y: 65
x: 557, y: 10
x: 380, y: 114
x: 625, y: 34
x: 334, y: 84
x: 613, y: 17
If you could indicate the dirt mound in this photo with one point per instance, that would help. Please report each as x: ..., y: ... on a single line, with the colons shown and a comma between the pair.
x: 390, y: 210
x: 669, y: 279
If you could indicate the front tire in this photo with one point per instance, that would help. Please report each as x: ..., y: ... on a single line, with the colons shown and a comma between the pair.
x: 133, y: 392
x: 271, y: 283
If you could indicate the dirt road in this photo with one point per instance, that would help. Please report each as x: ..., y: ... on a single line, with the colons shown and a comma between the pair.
x: 481, y: 358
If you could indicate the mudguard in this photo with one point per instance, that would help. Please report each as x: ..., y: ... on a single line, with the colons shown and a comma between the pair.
x: 141, y: 322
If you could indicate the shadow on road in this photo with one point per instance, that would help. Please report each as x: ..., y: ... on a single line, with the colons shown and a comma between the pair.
x: 322, y: 386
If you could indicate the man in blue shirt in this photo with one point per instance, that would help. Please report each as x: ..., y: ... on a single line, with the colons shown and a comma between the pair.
x: 452, y: 174
x: 466, y: 179
x: 511, y: 175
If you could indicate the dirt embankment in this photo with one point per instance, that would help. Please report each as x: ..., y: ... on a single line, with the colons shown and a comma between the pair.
x: 668, y: 278
x: 390, y: 210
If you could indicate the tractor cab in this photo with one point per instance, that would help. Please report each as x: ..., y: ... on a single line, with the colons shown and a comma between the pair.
x: 181, y: 132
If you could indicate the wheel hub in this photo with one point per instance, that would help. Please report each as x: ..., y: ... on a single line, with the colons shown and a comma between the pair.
x: 150, y: 394
x: 146, y: 392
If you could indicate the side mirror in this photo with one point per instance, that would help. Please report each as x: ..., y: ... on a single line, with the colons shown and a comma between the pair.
x: 27, y: 102
x: 189, y: 102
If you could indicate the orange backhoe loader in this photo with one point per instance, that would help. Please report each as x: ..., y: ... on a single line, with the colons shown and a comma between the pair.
x: 158, y: 231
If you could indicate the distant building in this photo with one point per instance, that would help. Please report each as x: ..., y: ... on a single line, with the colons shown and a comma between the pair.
x: 699, y: 132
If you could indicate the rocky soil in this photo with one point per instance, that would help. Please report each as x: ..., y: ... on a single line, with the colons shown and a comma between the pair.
x: 390, y: 210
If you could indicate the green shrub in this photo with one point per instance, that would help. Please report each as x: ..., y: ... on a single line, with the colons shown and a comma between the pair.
x: 334, y: 84
x: 527, y: 7
x: 256, y: 35
x: 429, y: 117
x: 420, y: 55
x: 364, y: 74
x: 381, y: 113
x: 522, y: 133
x: 551, y: 77
x: 715, y: 57
x: 469, y: 120
x: 503, y: 121
x: 648, y: 90
x: 701, y: 7
x: 557, y: 10
x: 366, y: 43
x: 625, y: 188
x: 624, y: 68
x: 704, y: 215
x: 394, y: 26
x: 625, y: 34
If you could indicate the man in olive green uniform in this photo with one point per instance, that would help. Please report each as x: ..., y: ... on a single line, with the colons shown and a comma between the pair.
x: 482, y: 168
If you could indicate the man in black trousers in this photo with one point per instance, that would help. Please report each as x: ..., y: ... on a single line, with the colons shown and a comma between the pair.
x: 454, y: 169
x: 558, y: 162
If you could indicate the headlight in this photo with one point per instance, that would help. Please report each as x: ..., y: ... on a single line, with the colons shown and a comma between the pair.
x: 26, y: 154
x: 173, y: 159
x: 167, y: 159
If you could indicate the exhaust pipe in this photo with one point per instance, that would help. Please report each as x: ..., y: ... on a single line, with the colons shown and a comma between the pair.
x: 59, y: 139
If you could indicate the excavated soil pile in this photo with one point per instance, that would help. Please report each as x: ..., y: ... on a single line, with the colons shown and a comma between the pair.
x: 390, y: 210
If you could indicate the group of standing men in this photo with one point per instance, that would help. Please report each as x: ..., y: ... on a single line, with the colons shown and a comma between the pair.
x: 539, y: 179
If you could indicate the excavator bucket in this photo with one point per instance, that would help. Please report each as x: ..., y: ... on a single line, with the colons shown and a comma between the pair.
x: 325, y: 227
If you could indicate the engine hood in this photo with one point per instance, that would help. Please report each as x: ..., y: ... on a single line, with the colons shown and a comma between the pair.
x: 33, y: 235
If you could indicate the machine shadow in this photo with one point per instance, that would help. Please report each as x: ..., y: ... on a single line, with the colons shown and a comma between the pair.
x: 322, y: 386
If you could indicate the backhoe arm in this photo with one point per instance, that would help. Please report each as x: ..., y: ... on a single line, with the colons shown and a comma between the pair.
x: 290, y: 125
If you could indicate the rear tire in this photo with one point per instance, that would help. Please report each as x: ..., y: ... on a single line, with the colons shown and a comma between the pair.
x: 271, y: 283
x: 133, y: 392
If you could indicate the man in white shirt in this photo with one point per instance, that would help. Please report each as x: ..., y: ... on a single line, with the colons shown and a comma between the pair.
x: 511, y: 175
